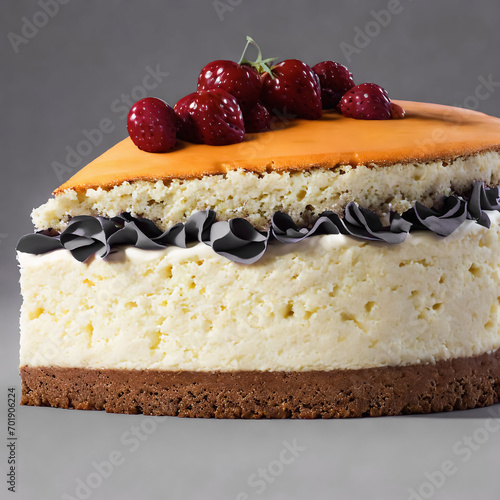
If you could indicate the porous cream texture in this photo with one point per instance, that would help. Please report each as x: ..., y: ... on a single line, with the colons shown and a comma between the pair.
x: 256, y: 197
x: 329, y: 302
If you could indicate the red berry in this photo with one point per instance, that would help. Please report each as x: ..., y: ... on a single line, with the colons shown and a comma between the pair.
x: 397, y: 111
x: 151, y: 125
x: 257, y: 119
x: 293, y: 90
x: 335, y: 80
x: 366, y: 101
x: 210, y: 117
x: 186, y: 126
x: 241, y: 81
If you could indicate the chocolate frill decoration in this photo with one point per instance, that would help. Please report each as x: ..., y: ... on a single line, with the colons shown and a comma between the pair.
x: 144, y: 234
x: 240, y: 242
x: 483, y: 199
x: 285, y: 230
x: 441, y: 222
x: 87, y: 235
x: 365, y: 224
x: 357, y: 222
x: 39, y: 243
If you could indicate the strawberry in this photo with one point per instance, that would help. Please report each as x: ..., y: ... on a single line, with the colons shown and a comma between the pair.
x: 241, y: 81
x: 366, y: 101
x: 210, y: 117
x: 293, y: 88
x: 257, y: 119
x: 335, y: 80
x: 151, y: 125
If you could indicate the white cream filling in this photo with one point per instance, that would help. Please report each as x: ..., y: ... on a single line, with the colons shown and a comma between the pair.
x: 328, y: 302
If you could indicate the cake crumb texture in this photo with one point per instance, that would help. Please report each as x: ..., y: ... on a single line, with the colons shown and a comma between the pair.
x: 257, y: 196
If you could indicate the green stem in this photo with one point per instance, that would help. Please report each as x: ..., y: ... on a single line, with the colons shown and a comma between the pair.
x: 261, y: 65
x: 249, y: 41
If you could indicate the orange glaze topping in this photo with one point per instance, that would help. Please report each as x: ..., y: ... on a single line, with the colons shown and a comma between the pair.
x: 428, y: 132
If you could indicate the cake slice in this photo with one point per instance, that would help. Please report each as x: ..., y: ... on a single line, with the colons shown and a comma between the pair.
x: 328, y: 268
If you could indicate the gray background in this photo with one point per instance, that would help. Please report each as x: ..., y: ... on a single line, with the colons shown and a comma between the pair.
x: 66, y: 79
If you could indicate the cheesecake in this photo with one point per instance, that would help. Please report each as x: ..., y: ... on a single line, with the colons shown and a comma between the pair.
x: 326, y: 268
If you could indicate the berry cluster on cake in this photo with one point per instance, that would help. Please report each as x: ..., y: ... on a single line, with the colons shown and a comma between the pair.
x: 282, y: 243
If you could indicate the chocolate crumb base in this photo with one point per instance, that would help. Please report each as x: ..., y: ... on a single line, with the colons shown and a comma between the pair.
x: 456, y: 384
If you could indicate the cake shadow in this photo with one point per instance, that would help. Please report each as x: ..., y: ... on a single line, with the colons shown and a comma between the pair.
x: 489, y: 412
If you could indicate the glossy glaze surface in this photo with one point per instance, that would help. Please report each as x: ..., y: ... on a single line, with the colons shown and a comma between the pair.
x: 429, y: 131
